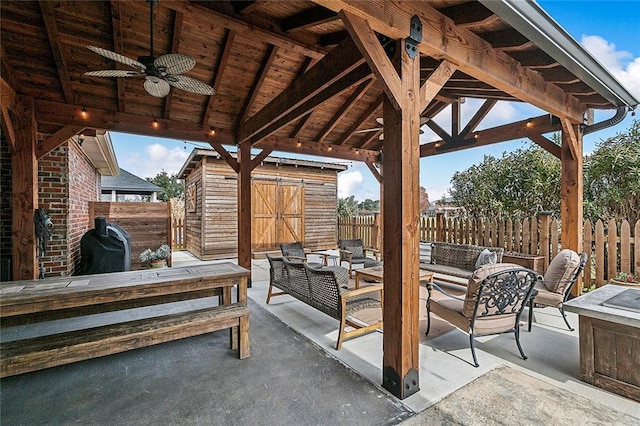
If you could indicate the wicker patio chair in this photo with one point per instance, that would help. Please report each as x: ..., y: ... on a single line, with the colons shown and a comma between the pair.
x: 495, y: 298
x: 354, y: 252
x: 554, y: 288
x: 295, y: 251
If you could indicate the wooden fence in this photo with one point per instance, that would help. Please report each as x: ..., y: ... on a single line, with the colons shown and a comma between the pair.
x: 148, y: 224
x: 177, y: 233
x: 612, y: 247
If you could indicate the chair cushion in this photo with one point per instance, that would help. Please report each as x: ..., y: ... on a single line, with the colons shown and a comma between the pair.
x: 560, y: 271
x: 357, y: 251
x: 476, y: 279
x: 546, y: 297
x: 294, y: 253
x: 486, y: 257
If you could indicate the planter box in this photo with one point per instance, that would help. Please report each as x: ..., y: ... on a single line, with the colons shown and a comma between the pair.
x: 533, y: 262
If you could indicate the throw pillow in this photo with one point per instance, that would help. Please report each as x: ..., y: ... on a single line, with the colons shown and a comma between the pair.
x: 486, y: 257
x: 357, y: 251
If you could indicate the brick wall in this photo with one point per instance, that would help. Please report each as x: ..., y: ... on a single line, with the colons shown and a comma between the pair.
x: 5, y: 210
x: 66, y: 183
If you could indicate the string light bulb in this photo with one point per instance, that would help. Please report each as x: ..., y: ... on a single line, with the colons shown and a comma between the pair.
x: 299, y: 144
x: 83, y: 113
x: 529, y: 123
x: 212, y: 131
x: 155, y: 123
x: 330, y: 148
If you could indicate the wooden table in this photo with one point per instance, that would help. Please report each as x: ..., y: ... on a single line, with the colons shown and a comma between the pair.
x: 32, y: 301
x: 377, y: 272
x: 609, y: 341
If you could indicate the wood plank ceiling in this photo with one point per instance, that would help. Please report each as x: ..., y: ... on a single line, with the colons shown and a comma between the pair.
x: 250, y: 52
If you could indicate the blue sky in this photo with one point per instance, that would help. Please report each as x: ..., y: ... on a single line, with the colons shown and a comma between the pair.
x: 610, y: 30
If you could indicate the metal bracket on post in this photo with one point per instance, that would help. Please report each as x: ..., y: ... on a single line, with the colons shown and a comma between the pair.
x: 415, y: 37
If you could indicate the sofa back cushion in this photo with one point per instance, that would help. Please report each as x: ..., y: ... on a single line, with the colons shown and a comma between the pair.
x: 561, y: 271
x: 463, y: 256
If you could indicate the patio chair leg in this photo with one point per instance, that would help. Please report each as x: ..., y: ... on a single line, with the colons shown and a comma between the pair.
x: 564, y: 317
x: 518, y: 343
x: 343, y: 324
x: 530, y: 314
x: 473, y: 350
x: 426, y: 333
x: 269, y: 293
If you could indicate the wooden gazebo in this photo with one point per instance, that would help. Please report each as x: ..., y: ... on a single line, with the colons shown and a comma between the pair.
x: 305, y: 77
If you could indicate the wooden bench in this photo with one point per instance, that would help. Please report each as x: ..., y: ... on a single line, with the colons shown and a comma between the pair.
x: 25, y: 302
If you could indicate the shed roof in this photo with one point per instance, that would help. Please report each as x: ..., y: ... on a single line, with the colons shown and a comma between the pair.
x: 128, y: 182
x: 198, y: 153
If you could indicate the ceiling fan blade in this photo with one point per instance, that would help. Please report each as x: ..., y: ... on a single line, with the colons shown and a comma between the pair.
x: 156, y: 87
x: 174, y: 63
x: 373, y: 129
x: 117, y: 57
x: 114, y: 73
x: 423, y: 120
x: 190, y: 84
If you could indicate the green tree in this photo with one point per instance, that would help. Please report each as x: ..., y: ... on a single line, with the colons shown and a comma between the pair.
x: 172, y: 187
x: 612, y: 178
x: 369, y: 205
x: 424, y: 200
x: 519, y: 184
x: 347, y: 207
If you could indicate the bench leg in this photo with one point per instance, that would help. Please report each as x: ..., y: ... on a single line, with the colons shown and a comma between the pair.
x: 243, y: 338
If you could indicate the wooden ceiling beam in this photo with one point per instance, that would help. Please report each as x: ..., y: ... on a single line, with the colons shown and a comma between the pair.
x: 332, y: 68
x: 546, y: 144
x: 7, y: 104
x: 320, y: 149
x: 175, y: 48
x: 47, y: 9
x: 308, y: 18
x: 439, y: 130
x: 371, y: 139
x: 571, y: 136
x: 61, y: 114
x: 375, y: 55
x: 205, y: 15
x: 470, y: 14
x: 302, y: 124
x: 8, y: 73
x: 432, y: 86
x: 272, y: 51
x: 508, y: 39
x: 255, y: 161
x: 226, y: 156
x: 520, y: 129
x: 244, y: 6
x: 224, y: 58
x: 332, y: 39
x: 116, y: 24
x: 470, y: 53
x: 478, y: 117
x: 356, y: 76
x: 374, y: 171
x: 373, y: 107
x: 57, y: 139
x: 357, y: 94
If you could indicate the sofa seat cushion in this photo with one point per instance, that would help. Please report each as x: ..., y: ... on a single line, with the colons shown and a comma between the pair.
x: 446, y: 270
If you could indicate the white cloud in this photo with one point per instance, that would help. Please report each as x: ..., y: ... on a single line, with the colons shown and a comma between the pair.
x: 350, y: 183
x: 621, y: 64
x: 156, y: 158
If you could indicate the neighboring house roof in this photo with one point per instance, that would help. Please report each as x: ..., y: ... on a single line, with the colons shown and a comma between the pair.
x: 127, y: 182
x: 199, y: 153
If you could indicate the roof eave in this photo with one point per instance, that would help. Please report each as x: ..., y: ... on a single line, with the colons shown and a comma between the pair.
x: 533, y: 22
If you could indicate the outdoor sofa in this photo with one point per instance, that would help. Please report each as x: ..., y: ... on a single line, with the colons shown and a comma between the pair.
x: 458, y: 260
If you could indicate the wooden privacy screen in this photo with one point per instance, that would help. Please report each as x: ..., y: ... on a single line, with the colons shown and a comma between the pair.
x: 148, y: 224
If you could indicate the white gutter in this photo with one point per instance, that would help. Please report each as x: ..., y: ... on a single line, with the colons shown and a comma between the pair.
x: 528, y: 18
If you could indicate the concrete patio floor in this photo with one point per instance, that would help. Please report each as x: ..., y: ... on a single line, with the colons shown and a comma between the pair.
x: 291, y: 380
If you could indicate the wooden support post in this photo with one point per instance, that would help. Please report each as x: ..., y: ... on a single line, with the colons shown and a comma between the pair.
x: 571, y: 191
x: 24, y: 199
x: 401, y: 160
x: 244, y: 208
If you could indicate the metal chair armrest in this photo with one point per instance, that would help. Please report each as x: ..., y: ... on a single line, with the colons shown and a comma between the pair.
x: 441, y: 290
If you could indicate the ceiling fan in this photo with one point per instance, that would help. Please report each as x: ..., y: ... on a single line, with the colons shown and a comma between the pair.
x: 380, y: 121
x: 160, y: 73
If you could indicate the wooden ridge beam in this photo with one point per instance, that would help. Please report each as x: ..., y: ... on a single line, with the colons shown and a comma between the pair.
x: 70, y: 115
x: 376, y: 57
x: 208, y: 16
x: 224, y: 58
x: 268, y: 59
x: 175, y: 48
x: 57, y: 139
x: 546, y: 144
x: 319, y: 149
x: 507, y: 132
x: 331, y: 69
x: 48, y: 15
x: 357, y: 94
x: 442, y: 39
x: 116, y: 24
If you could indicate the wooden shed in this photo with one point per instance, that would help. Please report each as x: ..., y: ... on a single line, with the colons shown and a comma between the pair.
x: 292, y: 200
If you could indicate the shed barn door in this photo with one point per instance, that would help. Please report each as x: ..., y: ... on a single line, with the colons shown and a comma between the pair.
x: 278, y: 213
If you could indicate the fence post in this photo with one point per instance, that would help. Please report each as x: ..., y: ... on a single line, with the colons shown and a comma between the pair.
x: 544, y: 218
x: 375, y: 237
x: 440, y: 231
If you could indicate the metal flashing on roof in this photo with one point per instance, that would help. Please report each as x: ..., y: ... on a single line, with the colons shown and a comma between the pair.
x: 528, y: 18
